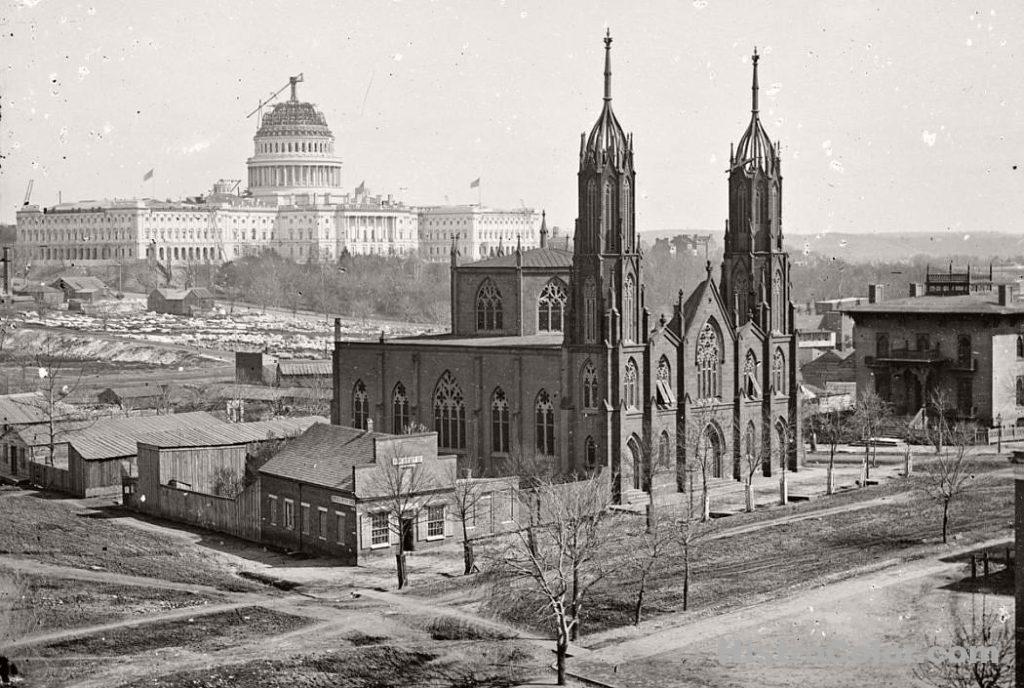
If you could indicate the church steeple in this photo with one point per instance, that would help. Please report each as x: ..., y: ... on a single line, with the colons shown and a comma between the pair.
x: 753, y: 236
x: 605, y: 248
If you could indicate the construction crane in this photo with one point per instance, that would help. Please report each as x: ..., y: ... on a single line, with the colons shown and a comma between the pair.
x: 292, y: 81
x: 28, y: 191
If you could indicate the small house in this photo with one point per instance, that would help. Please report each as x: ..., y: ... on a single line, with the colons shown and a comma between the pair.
x: 42, y: 294
x: 304, y: 373
x: 137, y: 397
x: 327, y: 492
x: 81, y: 288
x: 180, y: 301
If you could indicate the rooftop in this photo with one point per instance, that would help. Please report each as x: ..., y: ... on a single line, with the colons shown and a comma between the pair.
x: 305, y: 367
x: 325, y: 455
x: 228, y: 434
x: 978, y: 303
x: 111, y: 438
x: 533, y: 341
x: 555, y: 258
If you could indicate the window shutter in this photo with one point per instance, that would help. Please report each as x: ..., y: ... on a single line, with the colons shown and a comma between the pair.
x: 448, y: 525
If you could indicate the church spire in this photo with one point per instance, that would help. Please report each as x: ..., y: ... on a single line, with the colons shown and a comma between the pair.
x: 753, y: 88
x: 608, y: 64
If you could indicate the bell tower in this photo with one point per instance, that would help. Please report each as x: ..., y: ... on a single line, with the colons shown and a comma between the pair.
x: 755, y: 268
x: 606, y: 302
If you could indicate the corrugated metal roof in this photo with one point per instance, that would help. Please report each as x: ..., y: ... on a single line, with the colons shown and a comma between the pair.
x: 118, y: 437
x: 304, y: 367
x: 554, y: 258
x: 229, y: 433
x: 324, y: 455
x: 262, y: 393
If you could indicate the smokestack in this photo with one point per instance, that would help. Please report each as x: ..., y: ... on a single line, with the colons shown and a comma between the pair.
x: 337, y: 329
x: 876, y: 293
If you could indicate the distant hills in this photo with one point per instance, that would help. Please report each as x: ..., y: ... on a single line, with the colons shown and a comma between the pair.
x: 895, y: 246
x: 887, y: 246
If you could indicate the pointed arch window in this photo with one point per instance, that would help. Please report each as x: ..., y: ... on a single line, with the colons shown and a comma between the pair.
x: 592, y: 212
x: 590, y: 453
x: 666, y: 398
x: 545, y: 424
x: 1020, y: 346
x: 631, y: 385
x: 778, y: 317
x: 607, y: 210
x: 779, y: 372
x: 589, y: 311
x: 489, y: 313
x: 629, y: 309
x: 399, y: 410
x: 360, y: 406
x: 751, y: 387
x: 551, y: 307
x: 499, y: 422
x: 589, y: 386
x: 881, y: 345
x: 625, y: 211
x: 963, y: 350
x: 664, y: 450
x: 709, y: 361
x: 449, y: 413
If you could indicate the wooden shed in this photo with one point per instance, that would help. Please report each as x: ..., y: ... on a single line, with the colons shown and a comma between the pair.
x: 180, y: 301
x: 82, y: 288
x: 137, y: 397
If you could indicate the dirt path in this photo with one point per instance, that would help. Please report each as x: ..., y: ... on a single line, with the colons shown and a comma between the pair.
x: 685, y: 632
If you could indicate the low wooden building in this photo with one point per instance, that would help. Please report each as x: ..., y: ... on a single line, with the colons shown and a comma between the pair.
x: 180, y: 301
x: 202, y: 476
x: 138, y: 397
x: 42, y: 295
x: 326, y: 493
x: 82, y: 288
x: 27, y: 413
x: 304, y: 373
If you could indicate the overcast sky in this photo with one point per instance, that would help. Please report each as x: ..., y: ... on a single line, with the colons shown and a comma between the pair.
x: 893, y: 116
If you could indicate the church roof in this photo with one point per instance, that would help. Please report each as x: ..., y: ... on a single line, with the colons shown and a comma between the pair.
x: 607, y: 141
x: 755, y: 149
x: 555, y: 258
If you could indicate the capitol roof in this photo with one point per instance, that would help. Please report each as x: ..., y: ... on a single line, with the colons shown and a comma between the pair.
x: 291, y: 116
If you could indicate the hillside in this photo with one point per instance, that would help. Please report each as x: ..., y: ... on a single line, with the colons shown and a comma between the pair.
x: 889, y: 246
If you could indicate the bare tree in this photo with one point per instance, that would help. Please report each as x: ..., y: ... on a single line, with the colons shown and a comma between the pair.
x: 699, y: 439
x: 646, y: 548
x: 563, y: 557
x: 980, y: 650
x: 833, y: 423
x: 948, y: 476
x: 57, y: 380
x: 466, y: 494
x: 690, y: 528
x: 868, y: 417
x: 401, y: 487
x: 754, y: 457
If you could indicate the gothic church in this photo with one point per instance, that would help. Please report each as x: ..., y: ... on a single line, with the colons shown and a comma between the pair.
x: 553, y: 354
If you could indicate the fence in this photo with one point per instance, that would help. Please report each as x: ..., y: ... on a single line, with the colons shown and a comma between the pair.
x: 239, y: 516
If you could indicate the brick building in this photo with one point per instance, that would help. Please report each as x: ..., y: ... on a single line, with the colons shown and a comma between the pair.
x: 326, y: 491
x: 948, y: 338
x: 556, y: 357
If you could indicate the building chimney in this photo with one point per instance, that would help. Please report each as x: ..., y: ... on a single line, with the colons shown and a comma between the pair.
x: 916, y: 289
x: 337, y: 329
x: 369, y: 425
x: 876, y: 293
x: 1007, y: 294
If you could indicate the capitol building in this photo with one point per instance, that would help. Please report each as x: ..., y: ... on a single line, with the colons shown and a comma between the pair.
x: 294, y: 204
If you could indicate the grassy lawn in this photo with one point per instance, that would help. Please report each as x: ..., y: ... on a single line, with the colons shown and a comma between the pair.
x: 746, y: 568
x: 51, y: 604
x: 55, y: 532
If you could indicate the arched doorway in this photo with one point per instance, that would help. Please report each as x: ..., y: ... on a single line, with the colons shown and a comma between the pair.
x: 711, y: 449
x: 637, y: 461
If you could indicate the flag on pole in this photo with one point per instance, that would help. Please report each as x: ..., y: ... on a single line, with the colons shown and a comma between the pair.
x: 475, y: 183
x: 146, y: 177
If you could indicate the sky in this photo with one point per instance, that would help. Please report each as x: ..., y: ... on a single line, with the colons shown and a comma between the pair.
x: 894, y: 116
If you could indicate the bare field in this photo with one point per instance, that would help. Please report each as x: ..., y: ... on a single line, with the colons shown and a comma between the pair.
x: 491, y: 664
x: 202, y: 633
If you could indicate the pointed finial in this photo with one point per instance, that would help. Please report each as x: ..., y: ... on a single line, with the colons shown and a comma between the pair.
x: 754, y: 58
x: 608, y: 64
